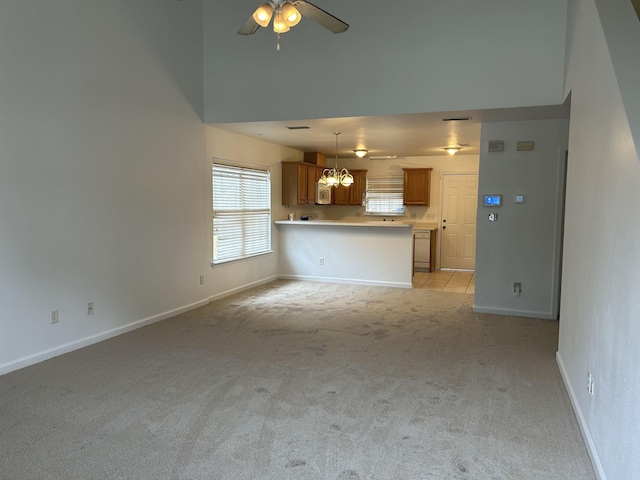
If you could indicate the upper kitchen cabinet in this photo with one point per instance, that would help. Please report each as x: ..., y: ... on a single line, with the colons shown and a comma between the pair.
x: 417, y: 186
x: 351, y: 195
x: 299, y: 183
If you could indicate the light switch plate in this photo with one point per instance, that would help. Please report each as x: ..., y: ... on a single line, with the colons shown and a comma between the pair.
x: 519, y: 198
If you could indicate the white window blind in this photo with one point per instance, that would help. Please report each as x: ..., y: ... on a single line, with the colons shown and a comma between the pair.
x: 385, y: 196
x: 241, y: 212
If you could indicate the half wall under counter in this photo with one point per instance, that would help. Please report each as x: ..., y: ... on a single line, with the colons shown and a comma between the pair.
x: 365, y: 253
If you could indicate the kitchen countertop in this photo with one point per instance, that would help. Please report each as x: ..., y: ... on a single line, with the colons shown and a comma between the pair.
x: 425, y: 226
x: 342, y: 223
x: 369, y: 223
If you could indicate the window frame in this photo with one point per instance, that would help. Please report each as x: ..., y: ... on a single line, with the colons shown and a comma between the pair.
x: 385, y: 186
x: 247, y: 221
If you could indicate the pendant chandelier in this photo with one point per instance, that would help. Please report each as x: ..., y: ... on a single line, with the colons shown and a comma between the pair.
x: 332, y: 177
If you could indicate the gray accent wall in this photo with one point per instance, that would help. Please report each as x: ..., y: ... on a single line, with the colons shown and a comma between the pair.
x: 523, y: 244
x: 397, y: 57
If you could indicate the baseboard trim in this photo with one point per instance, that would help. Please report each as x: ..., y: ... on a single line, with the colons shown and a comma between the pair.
x: 99, y: 337
x: 591, y: 448
x: 242, y: 288
x: 347, y: 281
x: 515, y: 313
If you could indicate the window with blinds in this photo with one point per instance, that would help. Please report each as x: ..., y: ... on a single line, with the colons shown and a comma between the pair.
x: 384, y: 196
x: 241, y: 213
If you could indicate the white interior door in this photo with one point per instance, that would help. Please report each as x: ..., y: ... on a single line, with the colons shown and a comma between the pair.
x: 458, y: 233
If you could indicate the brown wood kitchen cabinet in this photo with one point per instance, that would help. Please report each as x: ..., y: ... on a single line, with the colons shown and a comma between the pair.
x: 299, y: 183
x: 417, y: 186
x: 351, y: 195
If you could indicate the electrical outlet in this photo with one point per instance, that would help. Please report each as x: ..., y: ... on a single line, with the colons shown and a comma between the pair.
x: 517, y: 289
x: 90, y: 308
x: 202, y: 279
x: 321, y: 260
x: 53, y: 316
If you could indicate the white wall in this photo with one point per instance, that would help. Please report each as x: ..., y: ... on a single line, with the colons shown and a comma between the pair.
x: 368, y: 255
x: 599, y: 329
x: 103, y: 183
x: 521, y: 246
x: 227, y: 147
x: 402, y: 57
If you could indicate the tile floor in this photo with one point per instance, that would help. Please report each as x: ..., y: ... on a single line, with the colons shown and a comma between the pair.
x: 445, y: 281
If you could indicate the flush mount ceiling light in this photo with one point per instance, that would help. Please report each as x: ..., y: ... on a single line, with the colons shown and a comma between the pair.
x: 360, y: 152
x: 287, y: 14
x: 452, y: 150
x: 332, y: 177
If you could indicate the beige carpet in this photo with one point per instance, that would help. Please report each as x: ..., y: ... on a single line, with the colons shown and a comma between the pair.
x: 302, y: 380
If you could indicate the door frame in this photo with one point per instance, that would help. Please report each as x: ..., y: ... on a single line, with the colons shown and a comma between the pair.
x: 440, y: 229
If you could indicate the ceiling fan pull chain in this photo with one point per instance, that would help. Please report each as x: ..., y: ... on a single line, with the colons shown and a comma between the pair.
x: 278, y: 41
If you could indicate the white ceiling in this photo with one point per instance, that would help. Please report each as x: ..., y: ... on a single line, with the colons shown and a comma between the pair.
x: 424, y: 134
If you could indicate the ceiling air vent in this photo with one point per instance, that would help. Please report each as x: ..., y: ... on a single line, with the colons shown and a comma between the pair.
x: 456, y: 119
x: 298, y: 127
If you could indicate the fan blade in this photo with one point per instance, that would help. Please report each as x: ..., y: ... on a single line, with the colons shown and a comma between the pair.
x: 249, y: 28
x: 328, y: 21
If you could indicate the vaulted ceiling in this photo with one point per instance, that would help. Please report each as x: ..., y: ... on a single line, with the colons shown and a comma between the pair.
x: 388, y: 82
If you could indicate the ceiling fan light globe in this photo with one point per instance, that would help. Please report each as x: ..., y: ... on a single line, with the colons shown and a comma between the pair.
x: 279, y: 24
x: 291, y: 15
x: 262, y: 15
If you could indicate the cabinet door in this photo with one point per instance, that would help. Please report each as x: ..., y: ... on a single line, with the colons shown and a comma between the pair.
x: 299, y: 183
x: 358, y: 188
x: 341, y: 195
x: 417, y: 186
x: 351, y: 195
x: 311, y: 184
x: 302, y: 184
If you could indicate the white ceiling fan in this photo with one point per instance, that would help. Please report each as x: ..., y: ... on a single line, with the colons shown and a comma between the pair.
x: 287, y: 14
